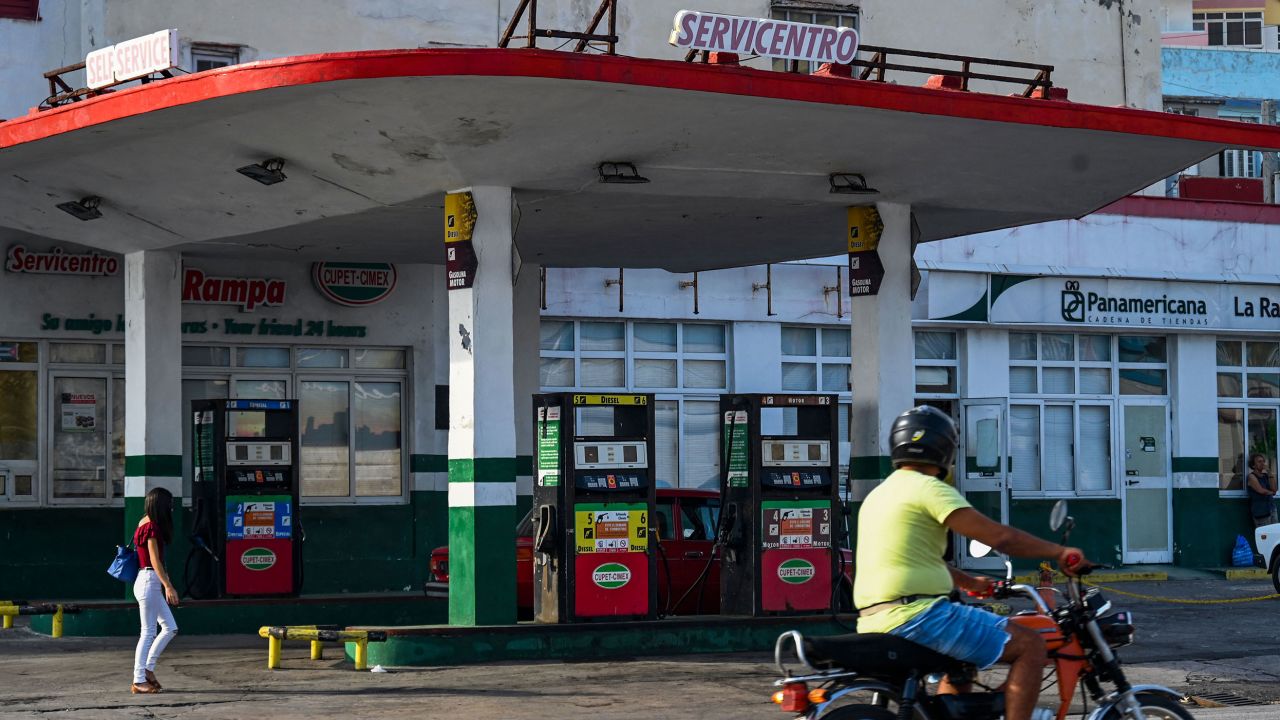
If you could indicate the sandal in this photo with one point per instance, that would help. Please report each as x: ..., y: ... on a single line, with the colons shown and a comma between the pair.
x: 143, y: 689
x: 151, y: 678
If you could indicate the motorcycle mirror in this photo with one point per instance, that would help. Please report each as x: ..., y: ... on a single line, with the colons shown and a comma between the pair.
x: 978, y: 549
x: 1058, y: 515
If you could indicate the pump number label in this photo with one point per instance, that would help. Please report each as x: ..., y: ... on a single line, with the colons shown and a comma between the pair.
x: 611, y: 527
x: 796, y: 524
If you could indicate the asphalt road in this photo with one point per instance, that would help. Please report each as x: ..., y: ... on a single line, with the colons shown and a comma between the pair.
x: 1211, y: 648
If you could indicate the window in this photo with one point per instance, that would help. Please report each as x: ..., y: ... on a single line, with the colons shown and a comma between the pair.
x: 1061, y: 447
x: 351, y: 402
x: 20, y: 9
x: 698, y: 518
x: 796, y: 12
x: 210, y: 57
x: 684, y: 364
x: 815, y: 359
x: 936, y: 364
x: 1067, y: 364
x: 1248, y: 384
x: 1238, y: 162
x: 1243, y: 29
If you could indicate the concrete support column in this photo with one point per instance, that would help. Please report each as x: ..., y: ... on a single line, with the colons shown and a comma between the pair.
x: 883, y: 376
x: 482, y: 424
x: 1203, y: 525
x: 153, y: 381
x: 528, y: 316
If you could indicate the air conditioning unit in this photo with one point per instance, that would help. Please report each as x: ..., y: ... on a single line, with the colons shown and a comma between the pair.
x: 1271, y: 37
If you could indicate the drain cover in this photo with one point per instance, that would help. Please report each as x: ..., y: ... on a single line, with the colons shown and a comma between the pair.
x: 1222, y: 699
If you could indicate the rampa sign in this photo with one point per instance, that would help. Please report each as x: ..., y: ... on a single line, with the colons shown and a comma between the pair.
x: 132, y: 59
x: 769, y: 38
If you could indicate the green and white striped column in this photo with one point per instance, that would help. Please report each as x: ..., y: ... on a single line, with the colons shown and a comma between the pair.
x: 883, y: 351
x: 153, y: 383
x: 482, y: 423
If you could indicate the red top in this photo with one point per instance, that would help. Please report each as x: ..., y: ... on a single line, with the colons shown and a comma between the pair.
x: 145, y: 532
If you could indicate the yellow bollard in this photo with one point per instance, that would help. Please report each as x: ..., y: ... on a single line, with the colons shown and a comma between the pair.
x: 273, y: 653
x: 8, y: 622
x: 57, y: 623
x: 317, y: 650
x: 362, y: 654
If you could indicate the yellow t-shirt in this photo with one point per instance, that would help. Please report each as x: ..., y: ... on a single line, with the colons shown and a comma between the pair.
x: 901, y: 540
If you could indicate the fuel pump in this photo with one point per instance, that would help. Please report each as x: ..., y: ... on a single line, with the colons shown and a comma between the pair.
x: 594, y: 496
x: 779, y: 487
x: 245, y: 491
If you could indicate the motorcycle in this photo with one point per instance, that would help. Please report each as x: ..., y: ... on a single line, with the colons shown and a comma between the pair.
x: 883, y: 677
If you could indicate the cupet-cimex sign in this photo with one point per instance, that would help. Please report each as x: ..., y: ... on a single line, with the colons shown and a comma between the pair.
x: 354, y: 284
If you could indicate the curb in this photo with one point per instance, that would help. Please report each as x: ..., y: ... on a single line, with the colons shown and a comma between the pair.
x: 1246, y: 574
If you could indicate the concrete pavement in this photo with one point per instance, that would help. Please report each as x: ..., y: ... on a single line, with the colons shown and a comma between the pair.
x: 1233, y: 648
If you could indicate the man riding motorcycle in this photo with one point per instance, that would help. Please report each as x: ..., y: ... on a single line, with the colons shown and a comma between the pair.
x: 902, y: 583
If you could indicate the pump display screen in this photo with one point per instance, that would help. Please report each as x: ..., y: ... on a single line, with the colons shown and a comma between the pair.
x: 259, y: 424
x: 246, y: 423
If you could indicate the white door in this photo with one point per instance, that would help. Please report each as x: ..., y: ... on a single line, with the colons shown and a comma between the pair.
x: 1147, y: 490
x: 983, y: 468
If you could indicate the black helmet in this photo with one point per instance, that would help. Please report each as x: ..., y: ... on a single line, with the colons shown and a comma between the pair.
x: 923, y: 435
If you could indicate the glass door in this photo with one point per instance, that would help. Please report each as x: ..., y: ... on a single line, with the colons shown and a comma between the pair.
x: 1148, y: 532
x: 983, y: 468
x: 19, y: 430
x: 80, y: 453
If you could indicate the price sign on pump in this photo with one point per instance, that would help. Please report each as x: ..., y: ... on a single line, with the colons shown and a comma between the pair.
x: 611, y: 528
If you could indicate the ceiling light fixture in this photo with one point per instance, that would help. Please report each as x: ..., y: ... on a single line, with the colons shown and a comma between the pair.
x: 267, y: 172
x: 83, y: 209
x: 622, y: 173
x: 850, y: 184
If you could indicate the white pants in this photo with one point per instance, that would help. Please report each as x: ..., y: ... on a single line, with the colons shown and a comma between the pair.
x: 152, y: 609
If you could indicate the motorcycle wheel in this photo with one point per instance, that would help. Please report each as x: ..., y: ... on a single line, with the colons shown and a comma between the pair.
x: 1156, y: 706
x: 859, y: 712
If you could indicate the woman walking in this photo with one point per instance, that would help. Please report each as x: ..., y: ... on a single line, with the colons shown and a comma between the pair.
x: 153, y: 588
x: 1262, y: 491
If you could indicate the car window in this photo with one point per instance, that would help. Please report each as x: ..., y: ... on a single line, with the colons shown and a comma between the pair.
x: 666, y: 528
x: 525, y: 527
x: 698, y: 518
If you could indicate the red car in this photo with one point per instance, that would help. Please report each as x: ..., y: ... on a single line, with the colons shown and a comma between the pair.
x: 686, y: 525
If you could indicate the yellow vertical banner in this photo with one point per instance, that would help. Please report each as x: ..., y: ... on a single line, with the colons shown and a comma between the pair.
x: 865, y: 269
x: 459, y: 224
x: 865, y: 229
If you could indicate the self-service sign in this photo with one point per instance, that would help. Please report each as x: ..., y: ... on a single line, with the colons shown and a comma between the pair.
x: 611, y: 563
x: 259, y: 550
x: 132, y: 59
x: 795, y: 560
x: 251, y: 517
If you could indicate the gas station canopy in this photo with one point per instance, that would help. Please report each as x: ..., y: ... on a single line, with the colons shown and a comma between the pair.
x: 738, y: 159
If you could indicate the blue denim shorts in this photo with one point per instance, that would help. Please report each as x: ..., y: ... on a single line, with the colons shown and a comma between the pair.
x: 963, y: 632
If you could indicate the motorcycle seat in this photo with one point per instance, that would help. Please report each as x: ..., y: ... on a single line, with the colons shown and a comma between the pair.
x: 878, y: 655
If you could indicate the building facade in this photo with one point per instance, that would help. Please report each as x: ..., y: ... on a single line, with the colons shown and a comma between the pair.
x: 1077, y: 405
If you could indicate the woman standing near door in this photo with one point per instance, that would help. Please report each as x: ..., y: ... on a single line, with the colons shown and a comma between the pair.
x: 153, y: 589
x: 1262, y: 491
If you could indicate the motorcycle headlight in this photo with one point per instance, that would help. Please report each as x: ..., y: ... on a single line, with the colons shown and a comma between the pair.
x: 1096, y: 602
x: 1117, y: 629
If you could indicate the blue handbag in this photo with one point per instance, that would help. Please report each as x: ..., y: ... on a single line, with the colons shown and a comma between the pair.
x: 125, y: 565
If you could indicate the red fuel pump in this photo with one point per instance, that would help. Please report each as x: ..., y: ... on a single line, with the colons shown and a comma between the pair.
x: 779, y: 489
x: 593, y: 496
x: 245, y: 480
